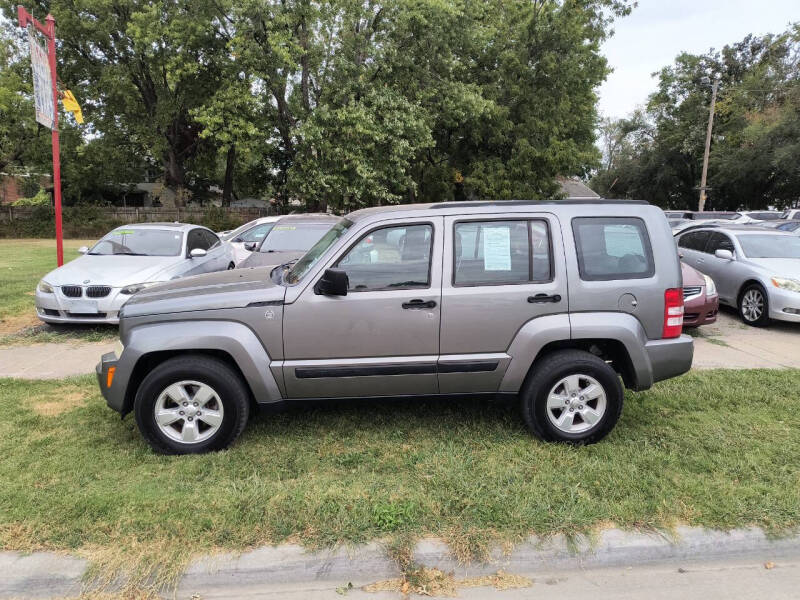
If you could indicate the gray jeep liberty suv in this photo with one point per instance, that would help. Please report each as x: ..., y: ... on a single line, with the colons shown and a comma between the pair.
x: 551, y: 302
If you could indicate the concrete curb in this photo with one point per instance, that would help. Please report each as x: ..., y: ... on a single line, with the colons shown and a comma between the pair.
x: 48, y: 575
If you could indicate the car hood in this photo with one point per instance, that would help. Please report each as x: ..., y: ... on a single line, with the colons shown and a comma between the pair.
x: 116, y: 271
x: 264, y: 259
x: 780, y: 267
x: 221, y: 290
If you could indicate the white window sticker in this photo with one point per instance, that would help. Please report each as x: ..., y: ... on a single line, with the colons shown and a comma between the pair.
x: 497, y: 248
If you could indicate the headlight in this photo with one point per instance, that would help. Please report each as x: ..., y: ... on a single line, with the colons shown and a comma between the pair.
x: 711, y: 288
x: 45, y: 287
x: 136, y: 287
x: 793, y: 285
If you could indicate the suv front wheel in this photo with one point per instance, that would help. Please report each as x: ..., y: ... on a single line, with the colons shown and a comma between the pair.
x: 191, y: 404
x: 572, y: 396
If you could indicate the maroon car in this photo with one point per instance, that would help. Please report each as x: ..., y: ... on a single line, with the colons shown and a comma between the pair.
x: 700, y: 298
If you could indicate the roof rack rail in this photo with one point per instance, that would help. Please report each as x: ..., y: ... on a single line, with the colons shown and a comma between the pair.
x: 466, y: 203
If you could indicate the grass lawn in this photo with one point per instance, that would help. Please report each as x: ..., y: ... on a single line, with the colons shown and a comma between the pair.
x: 22, y: 264
x: 719, y: 449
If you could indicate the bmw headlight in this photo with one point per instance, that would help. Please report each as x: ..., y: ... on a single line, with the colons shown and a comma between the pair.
x: 793, y: 285
x: 136, y: 287
x: 45, y: 287
x: 711, y: 287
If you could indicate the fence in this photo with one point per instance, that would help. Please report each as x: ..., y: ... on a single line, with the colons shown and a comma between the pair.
x: 145, y: 215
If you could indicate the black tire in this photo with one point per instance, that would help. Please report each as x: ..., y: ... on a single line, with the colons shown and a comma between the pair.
x: 551, y: 369
x: 225, y: 381
x: 757, y: 289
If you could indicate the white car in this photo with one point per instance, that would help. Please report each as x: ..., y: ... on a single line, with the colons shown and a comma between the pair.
x: 251, y: 232
x: 93, y: 287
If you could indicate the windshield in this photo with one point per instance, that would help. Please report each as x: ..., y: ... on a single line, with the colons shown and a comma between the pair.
x: 302, y: 266
x: 140, y: 242
x: 770, y: 246
x: 293, y: 237
x: 238, y: 230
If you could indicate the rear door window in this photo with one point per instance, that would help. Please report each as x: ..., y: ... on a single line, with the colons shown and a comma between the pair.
x: 612, y: 248
x: 501, y: 252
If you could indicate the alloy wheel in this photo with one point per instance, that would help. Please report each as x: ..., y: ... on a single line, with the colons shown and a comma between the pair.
x: 752, y: 305
x: 576, y: 403
x: 189, y: 412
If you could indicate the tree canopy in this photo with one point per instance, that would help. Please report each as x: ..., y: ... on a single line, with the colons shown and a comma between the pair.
x: 656, y: 153
x: 341, y: 103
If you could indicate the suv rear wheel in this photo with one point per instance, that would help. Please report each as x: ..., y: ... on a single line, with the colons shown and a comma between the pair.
x: 191, y: 404
x: 572, y: 396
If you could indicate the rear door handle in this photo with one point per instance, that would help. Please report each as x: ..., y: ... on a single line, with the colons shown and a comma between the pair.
x: 544, y: 299
x: 417, y: 303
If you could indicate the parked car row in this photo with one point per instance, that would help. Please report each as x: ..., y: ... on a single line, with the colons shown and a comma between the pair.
x: 93, y: 287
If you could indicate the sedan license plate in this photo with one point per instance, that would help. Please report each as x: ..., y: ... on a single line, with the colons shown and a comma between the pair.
x: 82, y: 306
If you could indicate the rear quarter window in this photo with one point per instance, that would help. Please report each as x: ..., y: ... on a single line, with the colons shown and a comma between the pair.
x: 612, y: 248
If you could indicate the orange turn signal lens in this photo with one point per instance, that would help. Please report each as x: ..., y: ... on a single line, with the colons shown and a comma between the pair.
x: 110, y: 376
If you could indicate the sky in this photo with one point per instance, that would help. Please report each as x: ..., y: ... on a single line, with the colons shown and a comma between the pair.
x: 658, y: 30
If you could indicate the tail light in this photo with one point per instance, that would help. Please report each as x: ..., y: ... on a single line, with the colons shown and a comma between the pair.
x: 673, y: 313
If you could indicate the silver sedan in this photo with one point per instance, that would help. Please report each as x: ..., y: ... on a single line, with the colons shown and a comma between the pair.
x: 755, y: 269
x: 93, y: 287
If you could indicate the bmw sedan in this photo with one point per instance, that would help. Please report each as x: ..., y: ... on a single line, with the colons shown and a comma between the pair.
x: 93, y: 287
x: 755, y: 269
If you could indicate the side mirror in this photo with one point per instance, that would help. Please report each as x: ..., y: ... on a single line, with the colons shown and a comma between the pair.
x: 83, y: 249
x: 250, y: 246
x: 334, y: 282
x: 724, y: 254
x: 197, y: 253
x: 237, y: 240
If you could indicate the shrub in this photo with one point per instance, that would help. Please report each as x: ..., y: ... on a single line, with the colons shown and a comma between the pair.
x: 41, y: 198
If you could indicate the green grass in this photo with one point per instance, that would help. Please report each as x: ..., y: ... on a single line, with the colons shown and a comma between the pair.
x: 718, y: 449
x: 22, y: 264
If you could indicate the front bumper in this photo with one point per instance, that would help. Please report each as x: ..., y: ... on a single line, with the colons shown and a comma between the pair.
x: 58, y: 308
x: 784, y: 305
x: 700, y: 310
x: 112, y: 380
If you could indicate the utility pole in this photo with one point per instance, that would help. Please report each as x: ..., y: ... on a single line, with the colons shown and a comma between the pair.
x: 702, y: 203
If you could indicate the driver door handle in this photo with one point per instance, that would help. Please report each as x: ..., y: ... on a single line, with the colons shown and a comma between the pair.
x: 417, y: 303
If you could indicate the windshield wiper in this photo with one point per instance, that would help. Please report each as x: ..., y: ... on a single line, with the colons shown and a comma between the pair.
x: 130, y: 253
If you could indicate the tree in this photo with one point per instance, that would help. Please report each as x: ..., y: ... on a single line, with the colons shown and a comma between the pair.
x: 755, y: 149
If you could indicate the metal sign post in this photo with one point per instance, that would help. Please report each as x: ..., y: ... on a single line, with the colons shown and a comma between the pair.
x: 46, y: 103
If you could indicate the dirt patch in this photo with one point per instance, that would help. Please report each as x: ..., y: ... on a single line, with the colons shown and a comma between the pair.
x: 58, y: 403
x: 433, y: 582
x: 16, y: 323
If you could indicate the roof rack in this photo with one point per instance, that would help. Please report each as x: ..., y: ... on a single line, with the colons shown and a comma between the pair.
x: 463, y: 204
